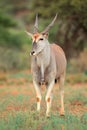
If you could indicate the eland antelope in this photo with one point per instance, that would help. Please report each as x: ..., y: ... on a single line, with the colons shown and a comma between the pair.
x: 48, y: 64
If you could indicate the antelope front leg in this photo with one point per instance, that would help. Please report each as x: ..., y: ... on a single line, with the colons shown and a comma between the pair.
x: 38, y: 93
x: 49, y: 98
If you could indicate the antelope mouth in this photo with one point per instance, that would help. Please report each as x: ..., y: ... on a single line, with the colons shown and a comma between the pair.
x: 33, y: 53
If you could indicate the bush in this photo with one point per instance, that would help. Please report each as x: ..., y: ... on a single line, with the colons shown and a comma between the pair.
x: 13, y: 42
x: 7, y: 20
x: 13, y: 38
x: 13, y: 59
x: 79, y: 64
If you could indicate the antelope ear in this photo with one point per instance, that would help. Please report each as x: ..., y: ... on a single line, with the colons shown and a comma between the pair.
x: 45, y: 35
x: 29, y: 34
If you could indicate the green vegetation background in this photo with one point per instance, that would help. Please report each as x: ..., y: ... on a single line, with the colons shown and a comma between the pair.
x: 69, y: 31
x: 17, y: 96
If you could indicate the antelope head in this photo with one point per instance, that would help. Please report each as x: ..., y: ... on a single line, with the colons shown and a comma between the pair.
x: 39, y: 40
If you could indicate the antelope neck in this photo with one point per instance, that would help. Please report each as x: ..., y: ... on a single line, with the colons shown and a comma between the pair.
x: 43, y: 60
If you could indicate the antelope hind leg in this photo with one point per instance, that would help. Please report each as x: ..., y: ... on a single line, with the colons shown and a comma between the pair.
x: 61, y: 88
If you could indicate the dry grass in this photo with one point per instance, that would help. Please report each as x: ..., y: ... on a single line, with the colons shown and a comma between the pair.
x: 18, y: 105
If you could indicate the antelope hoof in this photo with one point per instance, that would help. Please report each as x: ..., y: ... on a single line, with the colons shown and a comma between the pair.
x: 62, y: 113
x: 48, y: 115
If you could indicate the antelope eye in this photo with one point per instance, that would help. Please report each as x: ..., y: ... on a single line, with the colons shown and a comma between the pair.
x: 41, y: 39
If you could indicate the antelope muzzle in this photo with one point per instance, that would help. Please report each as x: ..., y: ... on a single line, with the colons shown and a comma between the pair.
x: 34, y: 47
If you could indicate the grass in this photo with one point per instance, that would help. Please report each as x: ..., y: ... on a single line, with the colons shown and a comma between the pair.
x: 32, y: 121
x: 18, y: 106
x: 76, y: 78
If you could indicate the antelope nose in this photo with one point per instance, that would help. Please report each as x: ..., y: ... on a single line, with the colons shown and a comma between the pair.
x: 32, y: 52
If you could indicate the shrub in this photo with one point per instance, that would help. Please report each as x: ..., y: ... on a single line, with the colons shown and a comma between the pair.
x: 13, y: 59
x: 79, y: 64
x: 7, y: 20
